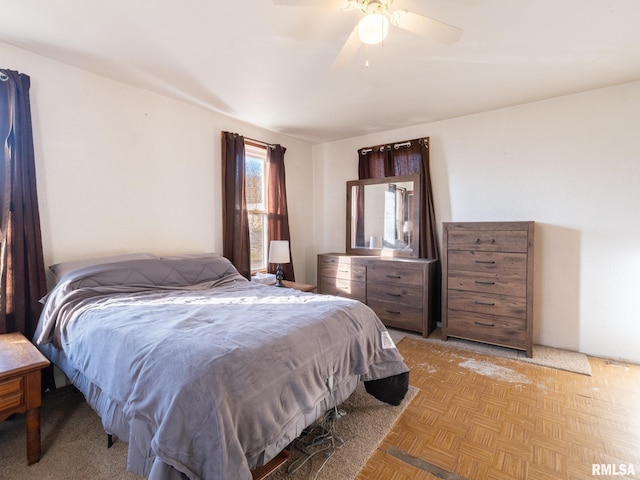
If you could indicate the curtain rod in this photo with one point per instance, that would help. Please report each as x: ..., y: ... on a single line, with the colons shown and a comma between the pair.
x: 254, y: 141
x: 396, y: 146
x: 258, y: 142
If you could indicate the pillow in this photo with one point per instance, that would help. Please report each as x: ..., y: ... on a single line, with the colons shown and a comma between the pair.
x: 61, y: 269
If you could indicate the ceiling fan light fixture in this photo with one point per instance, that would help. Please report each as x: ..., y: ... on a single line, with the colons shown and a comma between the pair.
x: 373, y: 28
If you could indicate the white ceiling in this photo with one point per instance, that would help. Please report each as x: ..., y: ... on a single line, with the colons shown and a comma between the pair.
x: 270, y: 65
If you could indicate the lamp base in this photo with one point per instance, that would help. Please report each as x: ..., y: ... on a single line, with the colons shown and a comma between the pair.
x: 279, y: 276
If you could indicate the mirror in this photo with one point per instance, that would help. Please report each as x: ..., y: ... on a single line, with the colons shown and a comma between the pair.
x: 383, y: 214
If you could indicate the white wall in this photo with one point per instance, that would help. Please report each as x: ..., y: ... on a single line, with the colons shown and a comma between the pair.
x: 121, y: 169
x: 572, y: 165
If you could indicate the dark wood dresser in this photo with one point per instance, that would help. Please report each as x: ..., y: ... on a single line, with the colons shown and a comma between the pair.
x: 487, y: 292
x: 399, y: 290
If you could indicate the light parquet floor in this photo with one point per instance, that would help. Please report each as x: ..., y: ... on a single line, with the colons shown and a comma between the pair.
x: 480, y: 417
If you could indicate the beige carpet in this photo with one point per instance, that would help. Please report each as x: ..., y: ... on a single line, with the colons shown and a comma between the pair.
x: 74, y: 446
x: 362, y: 429
x: 544, y: 356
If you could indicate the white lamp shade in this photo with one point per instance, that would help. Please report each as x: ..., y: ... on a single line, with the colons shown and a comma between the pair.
x: 279, y: 251
x: 373, y: 28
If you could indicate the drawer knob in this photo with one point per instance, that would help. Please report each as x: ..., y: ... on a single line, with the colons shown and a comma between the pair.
x: 481, y: 324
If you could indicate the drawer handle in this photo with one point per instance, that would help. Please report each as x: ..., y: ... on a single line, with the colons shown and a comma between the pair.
x: 394, y: 276
x: 486, y: 261
x: 393, y: 294
x: 492, y: 241
x: 343, y: 271
x: 485, y: 283
x: 394, y: 312
x: 480, y: 324
x: 486, y: 304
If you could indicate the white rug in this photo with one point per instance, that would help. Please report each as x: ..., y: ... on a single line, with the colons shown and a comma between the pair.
x: 545, y: 356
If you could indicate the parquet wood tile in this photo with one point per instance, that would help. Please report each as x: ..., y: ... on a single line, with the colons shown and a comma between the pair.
x: 478, y: 417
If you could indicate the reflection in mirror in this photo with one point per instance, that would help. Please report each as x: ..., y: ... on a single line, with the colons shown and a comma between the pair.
x: 383, y: 214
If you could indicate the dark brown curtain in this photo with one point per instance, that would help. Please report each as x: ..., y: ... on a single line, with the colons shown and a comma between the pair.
x: 23, y: 280
x: 278, y: 215
x: 406, y: 158
x: 374, y: 162
x: 235, y: 222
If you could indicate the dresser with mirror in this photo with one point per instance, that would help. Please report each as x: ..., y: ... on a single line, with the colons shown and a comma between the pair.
x: 381, y: 266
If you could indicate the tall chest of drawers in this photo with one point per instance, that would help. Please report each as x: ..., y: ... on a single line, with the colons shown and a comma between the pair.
x: 487, y: 292
x: 400, y: 291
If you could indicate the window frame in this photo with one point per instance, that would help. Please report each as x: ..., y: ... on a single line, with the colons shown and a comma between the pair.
x: 258, y: 152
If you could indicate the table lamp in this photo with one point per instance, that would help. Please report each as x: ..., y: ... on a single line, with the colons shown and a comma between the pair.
x: 279, y: 253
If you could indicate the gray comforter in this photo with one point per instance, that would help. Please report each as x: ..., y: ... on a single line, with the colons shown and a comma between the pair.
x: 213, y: 375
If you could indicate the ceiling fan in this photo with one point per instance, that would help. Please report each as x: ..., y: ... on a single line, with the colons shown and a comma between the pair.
x: 374, y: 26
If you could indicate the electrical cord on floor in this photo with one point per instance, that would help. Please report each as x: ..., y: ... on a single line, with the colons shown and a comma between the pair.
x: 318, y: 438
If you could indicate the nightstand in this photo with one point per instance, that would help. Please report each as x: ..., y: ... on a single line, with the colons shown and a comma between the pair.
x: 20, y: 387
x: 303, y: 287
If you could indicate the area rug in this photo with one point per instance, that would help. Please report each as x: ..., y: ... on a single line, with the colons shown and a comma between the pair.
x: 544, y: 356
x: 74, y: 446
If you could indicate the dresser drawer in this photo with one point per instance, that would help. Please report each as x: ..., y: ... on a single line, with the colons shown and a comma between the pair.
x: 406, y: 317
x: 394, y: 274
x: 395, y: 293
x: 504, y: 305
x: 341, y: 267
x: 513, y: 265
x: 11, y: 393
x: 486, y: 283
x: 342, y: 288
x: 487, y: 328
x: 488, y: 240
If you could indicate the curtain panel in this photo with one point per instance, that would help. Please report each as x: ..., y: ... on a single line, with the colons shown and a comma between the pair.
x: 235, y: 221
x: 23, y: 279
x: 278, y: 215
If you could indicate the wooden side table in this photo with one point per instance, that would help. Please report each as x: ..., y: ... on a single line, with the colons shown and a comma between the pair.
x: 303, y: 287
x: 20, y: 387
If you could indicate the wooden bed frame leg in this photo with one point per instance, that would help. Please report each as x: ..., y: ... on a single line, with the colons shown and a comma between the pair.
x: 262, y: 472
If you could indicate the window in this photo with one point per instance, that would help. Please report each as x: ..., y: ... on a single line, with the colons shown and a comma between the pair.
x: 255, y: 162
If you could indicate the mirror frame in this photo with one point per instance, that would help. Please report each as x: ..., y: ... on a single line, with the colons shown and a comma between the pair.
x: 415, y: 230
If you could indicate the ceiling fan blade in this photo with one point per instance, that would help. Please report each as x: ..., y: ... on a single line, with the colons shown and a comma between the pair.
x: 347, y: 52
x: 427, y: 27
x: 311, y: 3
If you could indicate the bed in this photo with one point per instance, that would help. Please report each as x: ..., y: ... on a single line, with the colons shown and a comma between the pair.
x: 207, y: 375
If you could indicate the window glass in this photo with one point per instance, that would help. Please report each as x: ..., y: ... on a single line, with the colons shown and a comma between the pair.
x: 256, y: 195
